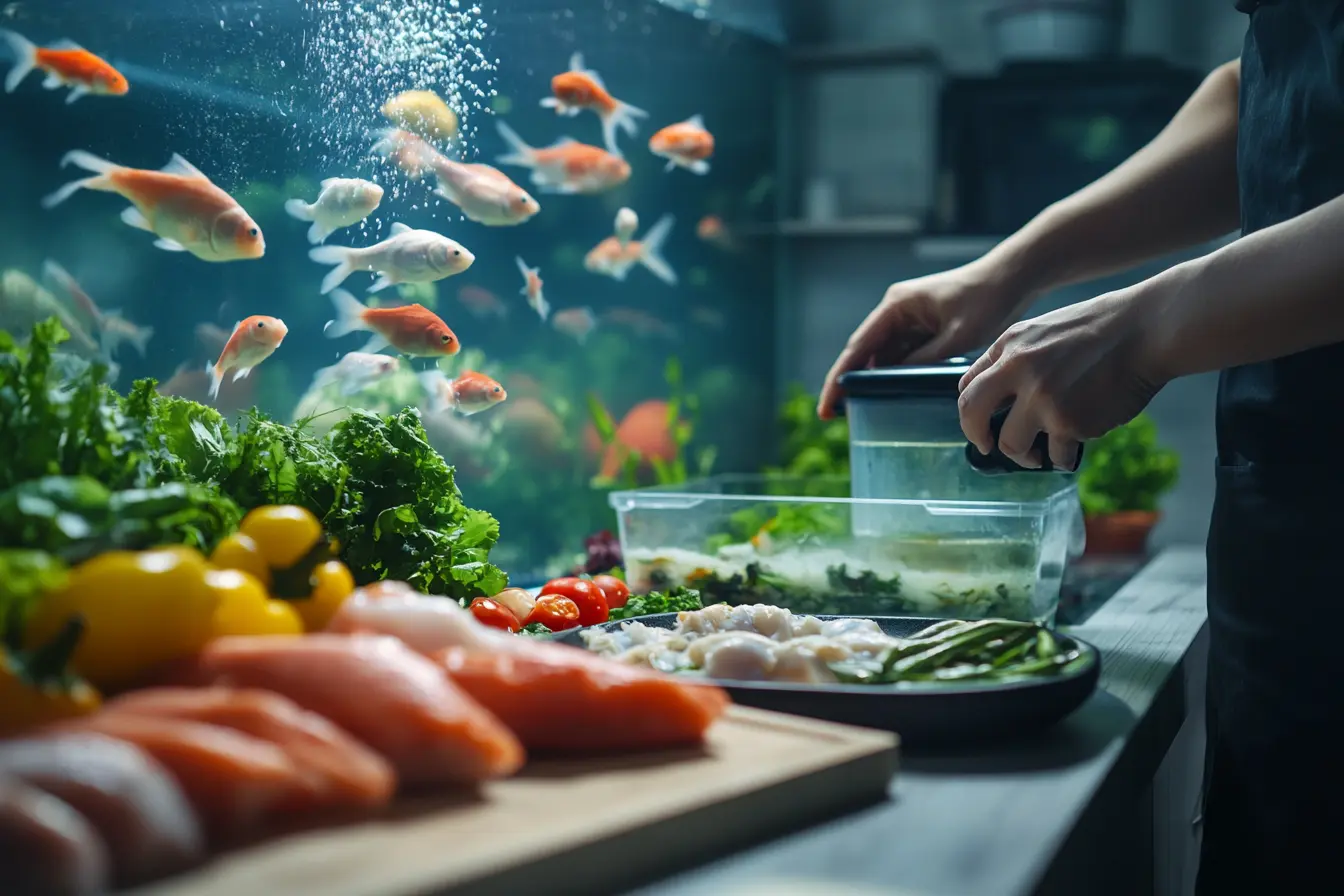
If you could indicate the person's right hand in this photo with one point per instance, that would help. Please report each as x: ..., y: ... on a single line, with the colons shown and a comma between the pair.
x: 928, y: 319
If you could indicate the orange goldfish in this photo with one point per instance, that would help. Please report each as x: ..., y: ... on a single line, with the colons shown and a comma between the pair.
x: 410, y: 153
x: 685, y: 144
x: 481, y: 302
x: 112, y: 327
x: 422, y: 112
x: 579, y: 89
x: 576, y: 322
x: 485, y: 194
x: 67, y: 64
x: 627, y: 222
x: 566, y: 166
x: 254, y: 340
x: 410, y: 329
x: 645, y: 430
x: 610, y: 259
x: 712, y: 230
x: 536, y: 299
x: 177, y: 203
x: 469, y: 393
x: 407, y: 256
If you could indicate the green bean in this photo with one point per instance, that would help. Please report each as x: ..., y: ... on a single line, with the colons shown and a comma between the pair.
x: 1045, y: 644
x: 936, y: 628
x: 936, y: 656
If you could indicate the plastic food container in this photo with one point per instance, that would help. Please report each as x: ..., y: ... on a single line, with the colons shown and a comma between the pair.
x: 1055, y: 30
x: 806, y: 545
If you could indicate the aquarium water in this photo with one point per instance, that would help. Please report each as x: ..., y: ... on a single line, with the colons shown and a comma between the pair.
x: 270, y: 101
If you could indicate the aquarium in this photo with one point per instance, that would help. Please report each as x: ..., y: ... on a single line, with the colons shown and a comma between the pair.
x: 805, y: 544
x: 563, y: 188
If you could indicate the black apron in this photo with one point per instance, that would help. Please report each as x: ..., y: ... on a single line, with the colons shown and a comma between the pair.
x: 1273, y: 819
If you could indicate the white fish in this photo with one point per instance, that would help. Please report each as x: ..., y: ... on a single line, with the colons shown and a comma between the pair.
x: 343, y: 201
x: 627, y: 222
x: 532, y: 288
x: 113, y: 328
x: 407, y: 256
x: 356, y: 371
x: 485, y: 194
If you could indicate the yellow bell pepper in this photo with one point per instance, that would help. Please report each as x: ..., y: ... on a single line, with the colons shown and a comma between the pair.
x: 245, y: 608
x: 36, y: 686
x: 142, y: 609
x: 332, y: 583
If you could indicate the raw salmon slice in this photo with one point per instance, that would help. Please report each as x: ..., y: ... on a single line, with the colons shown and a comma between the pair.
x: 376, y: 688
x: 563, y: 699
x: 347, y: 772
x: 233, y: 780
x: 131, y: 800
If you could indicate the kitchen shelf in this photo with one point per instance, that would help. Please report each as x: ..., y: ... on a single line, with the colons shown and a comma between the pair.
x: 860, y: 56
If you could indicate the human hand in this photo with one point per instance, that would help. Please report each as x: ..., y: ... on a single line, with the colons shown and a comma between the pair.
x: 1074, y: 374
x: 925, y: 320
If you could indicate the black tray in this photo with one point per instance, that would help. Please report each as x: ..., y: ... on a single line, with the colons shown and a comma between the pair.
x: 922, y: 714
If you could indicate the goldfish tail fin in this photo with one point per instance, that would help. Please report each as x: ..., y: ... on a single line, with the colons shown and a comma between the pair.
x: 429, y: 381
x: 215, y: 380
x: 25, y: 58
x: 543, y: 307
x: 621, y: 116
x: 520, y: 153
x: 298, y: 209
x: 317, y: 234
x: 139, y: 338
x: 337, y: 255
x: 89, y: 162
x: 524, y: 270
x: 652, y: 255
x: 349, y: 315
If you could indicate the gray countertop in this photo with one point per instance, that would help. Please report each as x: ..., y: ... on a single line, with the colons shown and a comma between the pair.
x: 995, y: 821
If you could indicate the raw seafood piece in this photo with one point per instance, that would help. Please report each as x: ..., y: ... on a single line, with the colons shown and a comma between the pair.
x: 377, y: 689
x: 132, y: 800
x: 425, y: 624
x: 346, y: 771
x: 233, y: 780
x: 562, y: 698
x: 46, y: 847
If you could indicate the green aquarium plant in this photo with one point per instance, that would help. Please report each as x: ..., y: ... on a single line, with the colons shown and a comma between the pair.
x: 90, y: 470
x: 809, y: 446
x: 1127, y: 470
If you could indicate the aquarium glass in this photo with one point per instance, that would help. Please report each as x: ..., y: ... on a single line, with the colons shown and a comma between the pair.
x: 630, y: 380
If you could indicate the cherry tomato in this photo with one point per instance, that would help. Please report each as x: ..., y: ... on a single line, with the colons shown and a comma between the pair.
x: 615, y: 591
x: 239, y: 551
x: 332, y: 584
x: 556, y: 612
x: 589, y: 598
x: 490, y: 612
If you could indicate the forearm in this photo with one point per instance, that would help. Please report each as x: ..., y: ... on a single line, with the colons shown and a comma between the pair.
x: 1275, y: 292
x: 1179, y: 190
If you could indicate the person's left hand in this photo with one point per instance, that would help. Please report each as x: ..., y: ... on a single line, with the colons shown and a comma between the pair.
x: 1074, y: 373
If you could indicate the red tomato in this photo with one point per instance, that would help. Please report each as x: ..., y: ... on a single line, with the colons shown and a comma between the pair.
x: 556, y: 612
x: 591, y: 601
x: 489, y: 612
x: 615, y: 591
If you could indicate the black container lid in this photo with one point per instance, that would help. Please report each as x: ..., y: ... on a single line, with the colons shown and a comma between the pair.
x: 910, y: 381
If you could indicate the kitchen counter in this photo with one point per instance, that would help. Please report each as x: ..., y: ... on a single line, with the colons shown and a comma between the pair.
x: 1103, y: 803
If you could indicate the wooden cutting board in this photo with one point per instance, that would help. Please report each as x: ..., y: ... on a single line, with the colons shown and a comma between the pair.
x: 579, y: 826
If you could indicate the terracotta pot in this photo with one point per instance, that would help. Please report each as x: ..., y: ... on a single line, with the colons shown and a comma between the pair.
x: 1124, y: 533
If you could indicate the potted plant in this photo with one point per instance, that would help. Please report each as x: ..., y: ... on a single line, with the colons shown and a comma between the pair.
x: 1124, y: 475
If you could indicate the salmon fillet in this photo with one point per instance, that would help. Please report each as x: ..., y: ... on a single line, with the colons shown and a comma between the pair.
x: 560, y: 698
x: 345, y: 771
x: 131, y: 800
x: 377, y: 689
x: 233, y: 780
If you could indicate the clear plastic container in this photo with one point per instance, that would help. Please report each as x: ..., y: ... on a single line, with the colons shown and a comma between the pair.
x: 803, y: 544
